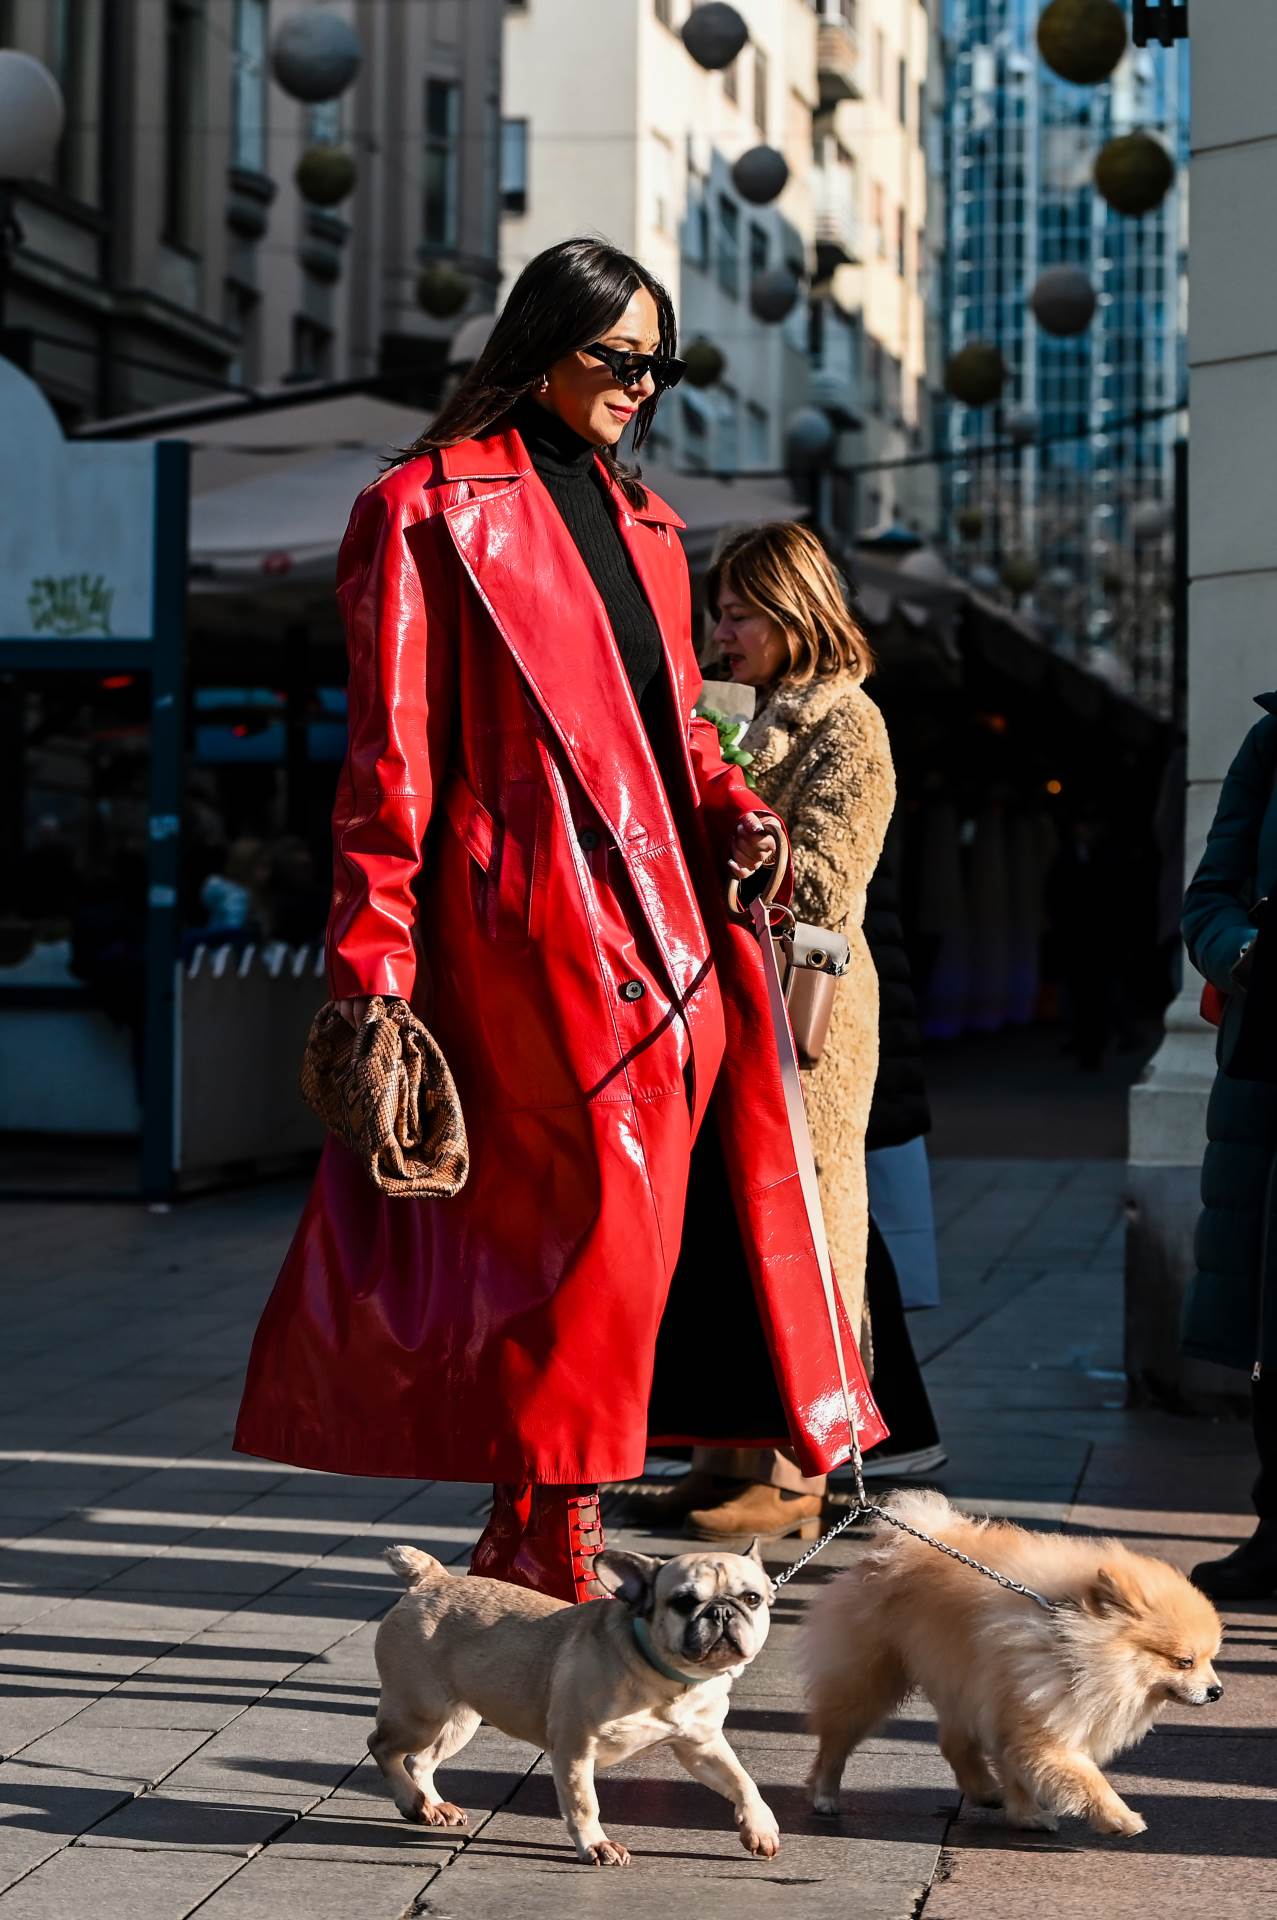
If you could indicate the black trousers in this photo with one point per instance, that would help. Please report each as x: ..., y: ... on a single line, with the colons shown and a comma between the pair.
x: 897, y: 1377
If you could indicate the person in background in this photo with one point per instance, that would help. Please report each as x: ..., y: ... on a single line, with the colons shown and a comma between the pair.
x: 821, y: 759
x: 1231, y: 1315
x: 902, y: 1272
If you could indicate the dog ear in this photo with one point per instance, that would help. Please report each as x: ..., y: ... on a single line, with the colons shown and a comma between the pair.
x: 1109, y: 1594
x: 628, y: 1576
x: 752, y: 1551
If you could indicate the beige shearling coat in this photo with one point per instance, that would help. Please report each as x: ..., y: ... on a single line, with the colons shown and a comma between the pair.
x: 823, y: 761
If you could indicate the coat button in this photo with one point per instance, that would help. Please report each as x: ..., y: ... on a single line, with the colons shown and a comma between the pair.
x: 633, y: 990
x: 587, y: 839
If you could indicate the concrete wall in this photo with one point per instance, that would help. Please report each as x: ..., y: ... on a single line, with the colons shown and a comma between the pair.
x: 1233, y: 613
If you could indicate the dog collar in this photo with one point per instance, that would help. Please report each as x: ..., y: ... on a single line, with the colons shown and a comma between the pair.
x: 643, y: 1641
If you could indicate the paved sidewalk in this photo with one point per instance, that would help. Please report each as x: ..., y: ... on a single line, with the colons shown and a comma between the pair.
x: 186, y: 1676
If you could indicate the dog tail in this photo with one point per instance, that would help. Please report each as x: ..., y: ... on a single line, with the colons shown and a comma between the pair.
x: 415, y: 1568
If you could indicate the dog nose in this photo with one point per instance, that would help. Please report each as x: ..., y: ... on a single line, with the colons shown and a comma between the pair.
x: 1215, y: 1692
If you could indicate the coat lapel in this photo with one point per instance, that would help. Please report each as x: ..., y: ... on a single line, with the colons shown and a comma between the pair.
x: 527, y: 571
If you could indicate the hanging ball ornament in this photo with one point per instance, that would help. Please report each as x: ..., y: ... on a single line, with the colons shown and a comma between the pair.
x: 976, y: 374
x: 315, y: 56
x: 1082, y: 40
x: 705, y: 364
x: 325, y: 175
x: 1063, y: 302
x: 760, y: 175
x: 714, y: 34
x: 809, y: 437
x: 442, y: 291
x: 971, y: 522
x: 32, y: 115
x: 1019, y: 573
x: 1151, y: 519
x: 773, y: 295
x: 1134, y: 173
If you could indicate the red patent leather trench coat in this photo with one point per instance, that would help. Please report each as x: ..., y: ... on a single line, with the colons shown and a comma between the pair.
x: 508, y: 856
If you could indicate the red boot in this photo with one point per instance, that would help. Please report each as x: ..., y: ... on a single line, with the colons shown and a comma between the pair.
x: 556, y: 1553
x: 498, y: 1544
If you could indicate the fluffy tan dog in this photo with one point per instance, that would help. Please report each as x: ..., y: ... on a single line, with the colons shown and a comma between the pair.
x: 1030, y: 1704
x: 593, y: 1684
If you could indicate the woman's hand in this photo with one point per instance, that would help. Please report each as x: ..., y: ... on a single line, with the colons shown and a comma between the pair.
x: 353, y: 1011
x: 754, y: 845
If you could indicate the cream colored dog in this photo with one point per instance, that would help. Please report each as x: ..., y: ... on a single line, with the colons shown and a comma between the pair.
x: 592, y: 1684
x: 1030, y: 1704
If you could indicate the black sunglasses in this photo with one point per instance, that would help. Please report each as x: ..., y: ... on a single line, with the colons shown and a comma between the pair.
x: 630, y: 368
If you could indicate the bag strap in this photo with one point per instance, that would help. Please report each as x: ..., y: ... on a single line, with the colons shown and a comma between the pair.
x: 800, y: 1134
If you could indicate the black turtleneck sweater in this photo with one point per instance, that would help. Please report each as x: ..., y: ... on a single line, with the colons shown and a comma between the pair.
x: 565, y: 465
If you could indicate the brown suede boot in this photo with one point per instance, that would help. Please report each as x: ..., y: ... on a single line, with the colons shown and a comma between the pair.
x: 665, y: 1507
x: 757, y: 1509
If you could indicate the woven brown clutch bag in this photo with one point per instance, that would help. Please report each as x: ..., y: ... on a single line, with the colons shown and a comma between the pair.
x: 385, y: 1090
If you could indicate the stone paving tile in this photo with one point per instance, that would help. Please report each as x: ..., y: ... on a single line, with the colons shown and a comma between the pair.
x: 276, y: 1886
x: 133, y: 1885
x: 194, y: 1823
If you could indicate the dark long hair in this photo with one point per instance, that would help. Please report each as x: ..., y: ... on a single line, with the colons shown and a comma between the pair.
x: 565, y: 299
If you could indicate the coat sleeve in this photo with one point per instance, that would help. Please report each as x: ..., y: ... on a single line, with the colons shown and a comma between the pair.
x: 1217, y: 922
x: 845, y: 792
x: 725, y: 795
x: 401, y: 646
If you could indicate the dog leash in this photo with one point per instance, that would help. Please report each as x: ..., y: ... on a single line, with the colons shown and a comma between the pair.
x: 796, y: 1112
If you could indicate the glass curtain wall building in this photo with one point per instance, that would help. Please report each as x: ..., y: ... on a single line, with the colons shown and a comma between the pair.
x: 1091, y: 511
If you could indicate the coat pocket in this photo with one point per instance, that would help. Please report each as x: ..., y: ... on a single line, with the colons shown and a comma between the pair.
x: 512, y: 897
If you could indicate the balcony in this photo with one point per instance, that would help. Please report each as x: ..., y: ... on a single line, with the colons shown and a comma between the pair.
x: 837, y: 233
x: 837, y: 64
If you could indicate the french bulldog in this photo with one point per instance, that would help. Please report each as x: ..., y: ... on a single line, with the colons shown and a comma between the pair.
x: 652, y: 1664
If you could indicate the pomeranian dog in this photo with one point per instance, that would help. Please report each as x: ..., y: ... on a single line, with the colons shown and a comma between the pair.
x: 1030, y: 1704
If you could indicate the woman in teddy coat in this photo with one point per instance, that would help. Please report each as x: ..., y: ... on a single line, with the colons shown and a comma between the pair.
x: 821, y: 759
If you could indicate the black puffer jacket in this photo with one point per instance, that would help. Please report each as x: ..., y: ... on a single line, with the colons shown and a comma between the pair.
x: 899, y: 1111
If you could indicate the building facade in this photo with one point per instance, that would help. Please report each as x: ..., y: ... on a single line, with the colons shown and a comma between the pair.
x: 1088, y: 496
x: 633, y: 140
x: 170, y: 253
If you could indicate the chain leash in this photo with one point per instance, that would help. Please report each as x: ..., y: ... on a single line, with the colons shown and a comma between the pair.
x: 865, y: 1508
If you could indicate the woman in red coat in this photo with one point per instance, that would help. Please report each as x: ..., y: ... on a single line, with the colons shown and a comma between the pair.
x: 532, y: 842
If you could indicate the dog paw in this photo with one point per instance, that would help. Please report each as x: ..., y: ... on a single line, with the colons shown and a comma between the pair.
x: 442, y: 1813
x: 762, y: 1842
x: 1121, y: 1820
x: 830, y: 1804
x: 1032, y: 1819
x: 608, y: 1853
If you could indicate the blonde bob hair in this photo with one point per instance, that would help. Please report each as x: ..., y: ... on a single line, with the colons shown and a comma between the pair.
x: 783, y: 570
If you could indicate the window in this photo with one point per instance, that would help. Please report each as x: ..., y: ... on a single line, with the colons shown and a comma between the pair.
x: 695, y: 437
x: 442, y: 208
x: 76, y: 59
x: 756, y: 435
x: 249, y: 87
x: 880, y: 64
x: 759, y: 248
x: 876, y: 395
x: 922, y: 111
x: 760, y: 91
x: 728, y: 245
x: 902, y: 91
x: 183, y: 46
x: 312, y: 350
x: 664, y: 215
x: 514, y: 166
x: 902, y: 245
x: 731, y: 79
x: 728, y: 431
x: 696, y: 233
x: 879, y: 203
x: 324, y: 123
